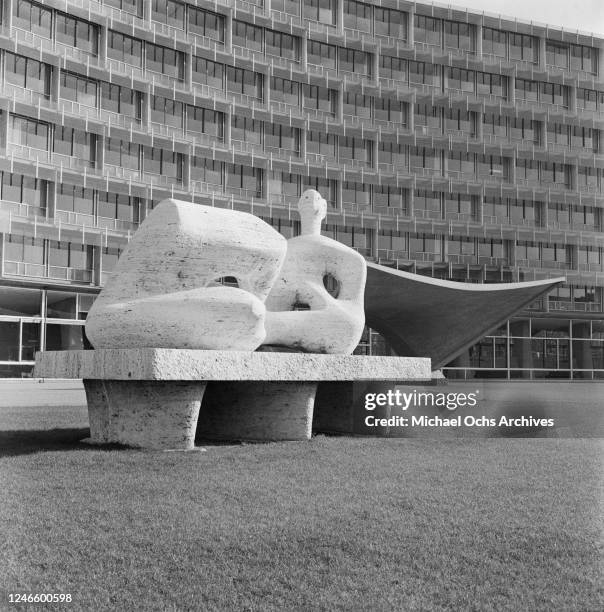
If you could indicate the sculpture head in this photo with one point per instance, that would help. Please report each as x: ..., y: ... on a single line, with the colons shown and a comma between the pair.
x: 312, y: 208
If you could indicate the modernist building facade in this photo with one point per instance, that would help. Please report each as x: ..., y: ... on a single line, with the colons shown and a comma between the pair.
x: 451, y: 144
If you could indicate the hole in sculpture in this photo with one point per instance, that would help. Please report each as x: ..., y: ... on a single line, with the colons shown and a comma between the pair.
x: 332, y: 285
x: 300, y: 306
x: 225, y: 281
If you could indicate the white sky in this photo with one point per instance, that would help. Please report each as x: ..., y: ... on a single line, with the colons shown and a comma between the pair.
x: 584, y: 15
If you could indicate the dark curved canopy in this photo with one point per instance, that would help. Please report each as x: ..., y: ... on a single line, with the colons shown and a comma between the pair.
x: 427, y: 317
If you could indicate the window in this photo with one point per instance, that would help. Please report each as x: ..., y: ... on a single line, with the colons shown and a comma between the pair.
x: 583, y: 59
x: 245, y: 129
x: 395, y: 68
x: 491, y: 165
x: 135, y: 7
x: 32, y: 17
x: 124, y: 48
x: 27, y: 73
x: 316, y: 97
x: 459, y: 120
x: 394, y: 154
x: 553, y: 93
x: 524, y: 129
x: 165, y: 61
x: 555, y: 174
x: 167, y: 164
x: 428, y: 115
x: 22, y: 248
x: 76, y: 33
x: 286, y: 91
x: 166, y: 111
x: 424, y: 243
x: 425, y: 157
x: 589, y: 178
x: 323, y: 11
x: 527, y: 90
x: 23, y: 189
x: 461, y: 162
x: 460, y: 80
x: 75, y: 199
x: 589, y: 99
x: 527, y: 170
x: 28, y: 132
x: 205, y: 121
x: 459, y: 36
x: 169, y: 12
x: 78, y: 89
x: 121, y: 100
x: 119, y: 206
x: 75, y: 143
x: 244, y: 180
x: 493, y: 42
x: 207, y: 72
x: 351, y: 60
x: 322, y: 54
x: 242, y: 81
x: 206, y: 23
x: 283, y: 137
x: 357, y: 15
x: 459, y: 205
x: 390, y: 196
x: 207, y: 170
x: 390, y: 22
x: 321, y: 143
x: 247, y: 35
x: 291, y: 7
x: 68, y: 255
x: 494, y: 124
x: 427, y: 30
x: 558, y: 134
x: 556, y: 54
x: 122, y: 153
x: 351, y: 148
x: 422, y: 73
x: 523, y: 47
x: 490, y: 84
x: 356, y: 196
x: 357, y: 105
x: 280, y: 44
x: 387, y: 109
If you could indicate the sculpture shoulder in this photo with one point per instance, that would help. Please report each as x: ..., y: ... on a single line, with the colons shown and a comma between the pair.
x: 317, y: 244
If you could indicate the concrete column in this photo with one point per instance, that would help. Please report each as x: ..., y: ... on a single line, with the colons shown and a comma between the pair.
x: 340, y: 16
x: 227, y: 129
x: 146, y: 107
x: 4, y: 124
x: 410, y: 201
x: 478, y: 31
x: 543, y: 134
x: 96, y: 265
x: 304, y: 52
x: 100, y: 153
x: 574, y: 177
x: 572, y: 98
x: 55, y: 80
x: 521, y: 353
x: 410, y: 115
x: 582, y: 355
x: 147, y: 12
x: 7, y: 13
x: 541, y: 58
x: 144, y: 414
x: 186, y: 172
x: 410, y: 22
x: 228, y: 31
x: 302, y: 143
x: 375, y: 65
x: 339, y: 194
x: 511, y: 80
x: 103, y: 29
x: 340, y: 104
x: 51, y: 200
x: 374, y: 153
x: 266, y: 87
x: 189, y: 68
x: 372, y: 238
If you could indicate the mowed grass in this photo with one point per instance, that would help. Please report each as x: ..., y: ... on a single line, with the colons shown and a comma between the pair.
x: 330, y: 524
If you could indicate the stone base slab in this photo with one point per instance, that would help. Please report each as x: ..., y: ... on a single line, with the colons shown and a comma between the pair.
x: 151, y: 398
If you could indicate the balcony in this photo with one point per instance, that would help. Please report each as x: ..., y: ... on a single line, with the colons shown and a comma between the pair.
x: 458, y: 258
x: 22, y: 211
x: 34, y: 270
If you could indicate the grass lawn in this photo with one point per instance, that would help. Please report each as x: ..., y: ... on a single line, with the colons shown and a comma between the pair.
x: 331, y: 524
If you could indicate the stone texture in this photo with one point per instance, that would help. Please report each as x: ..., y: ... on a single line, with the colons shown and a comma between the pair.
x: 164, y: 292
x: 331, y: 324
x: 198, y: 365
x: 257, y: 411
x: 148, y: 414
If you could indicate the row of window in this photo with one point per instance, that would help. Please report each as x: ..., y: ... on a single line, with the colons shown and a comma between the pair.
x: 81, y: 145
x: 36, y: 76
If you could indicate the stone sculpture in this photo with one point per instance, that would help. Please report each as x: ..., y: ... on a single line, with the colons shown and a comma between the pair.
x: 326, y: 323
x: 164, y: 291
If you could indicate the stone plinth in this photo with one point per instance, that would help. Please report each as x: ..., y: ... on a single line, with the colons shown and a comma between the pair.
x: 150, y: 398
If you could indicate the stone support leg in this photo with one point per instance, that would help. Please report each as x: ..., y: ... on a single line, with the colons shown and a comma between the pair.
x: 260, y: 411
x: 146, y: 414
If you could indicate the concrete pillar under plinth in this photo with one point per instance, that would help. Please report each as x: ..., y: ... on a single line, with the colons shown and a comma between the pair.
x: 144, y: 414
x: 257, y: 410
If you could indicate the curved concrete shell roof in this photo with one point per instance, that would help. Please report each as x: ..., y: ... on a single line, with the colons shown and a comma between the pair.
x: 426, y: 317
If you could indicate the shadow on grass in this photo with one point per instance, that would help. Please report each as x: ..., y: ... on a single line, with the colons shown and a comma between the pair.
x: 27, y: 442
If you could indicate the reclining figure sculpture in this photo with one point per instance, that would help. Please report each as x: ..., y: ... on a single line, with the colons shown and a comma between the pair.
x: 164, y: 292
